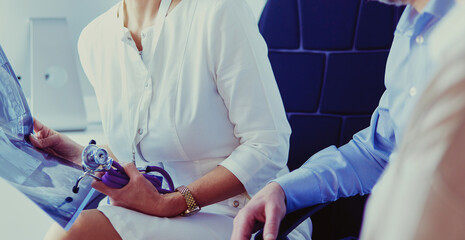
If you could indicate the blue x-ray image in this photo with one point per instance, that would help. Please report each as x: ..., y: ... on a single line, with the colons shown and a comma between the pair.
x: 45, y: 179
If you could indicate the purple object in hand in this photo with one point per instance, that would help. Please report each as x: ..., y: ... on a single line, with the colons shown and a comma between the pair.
x: 96, y: 159
x: 117, y: 178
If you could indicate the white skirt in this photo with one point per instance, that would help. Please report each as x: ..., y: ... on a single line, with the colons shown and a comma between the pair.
x: 212, y: 222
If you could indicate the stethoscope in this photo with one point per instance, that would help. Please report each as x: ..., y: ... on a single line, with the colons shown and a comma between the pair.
x: 96, y: 159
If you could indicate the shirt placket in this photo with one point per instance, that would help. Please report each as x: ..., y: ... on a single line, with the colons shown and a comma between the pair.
x: 143, y: 90
x: 417, y: 42
x: 146, y: 91
x: 142, y: 124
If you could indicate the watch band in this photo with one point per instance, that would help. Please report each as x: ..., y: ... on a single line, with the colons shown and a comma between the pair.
x: 192, y: 207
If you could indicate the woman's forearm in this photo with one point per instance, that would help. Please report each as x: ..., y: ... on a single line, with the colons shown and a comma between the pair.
x: 217, y: 185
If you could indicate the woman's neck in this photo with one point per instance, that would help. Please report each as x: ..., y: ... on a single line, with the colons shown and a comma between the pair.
x: 140, y: 14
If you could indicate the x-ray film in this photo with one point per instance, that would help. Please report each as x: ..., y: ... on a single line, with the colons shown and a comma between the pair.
x: 45, y: 179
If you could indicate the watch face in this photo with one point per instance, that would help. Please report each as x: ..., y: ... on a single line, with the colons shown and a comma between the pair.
x: 192, y: 211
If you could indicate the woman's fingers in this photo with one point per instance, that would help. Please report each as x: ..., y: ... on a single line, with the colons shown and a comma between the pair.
x: 48, y: 142
x: 132, y: 173
x: 38, y: 126
x: 101, y: 187
x: 131, y: 170
x: 34, y: 141
x: 41, y: 130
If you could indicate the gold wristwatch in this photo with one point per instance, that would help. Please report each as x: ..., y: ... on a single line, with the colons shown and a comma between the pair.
x: 192, y: 207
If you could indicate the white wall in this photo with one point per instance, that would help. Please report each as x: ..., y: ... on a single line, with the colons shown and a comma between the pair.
x: 19, y: 217
x: 14, y: 28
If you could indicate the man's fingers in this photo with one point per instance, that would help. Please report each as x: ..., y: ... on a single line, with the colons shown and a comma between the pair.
x: 243, y: 225
x: 258, y: 226
x: 273, y: 219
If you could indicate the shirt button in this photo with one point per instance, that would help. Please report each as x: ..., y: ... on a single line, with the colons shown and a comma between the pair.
x: 143, y: 35
x: 236, y: 203
x: 147, y: 84
x: 419, y: 39
x: 141, y: 131
x: 413, y: 91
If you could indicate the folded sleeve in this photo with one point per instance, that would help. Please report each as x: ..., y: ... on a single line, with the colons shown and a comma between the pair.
x: 351, y: 169
x: 90, y: 46
x: 246, y: 83
x: 84, y: 46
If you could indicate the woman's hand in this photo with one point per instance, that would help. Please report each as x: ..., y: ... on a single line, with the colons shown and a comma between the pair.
x: 55, y: 143
x: 140, y: 195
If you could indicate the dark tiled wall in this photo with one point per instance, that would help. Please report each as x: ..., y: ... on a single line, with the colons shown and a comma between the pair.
x: 328, y: 57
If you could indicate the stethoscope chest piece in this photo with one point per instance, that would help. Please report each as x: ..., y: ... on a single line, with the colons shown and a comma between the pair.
x: 94, y: 159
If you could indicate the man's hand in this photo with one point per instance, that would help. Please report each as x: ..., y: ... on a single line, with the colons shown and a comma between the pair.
x: 267, y: 206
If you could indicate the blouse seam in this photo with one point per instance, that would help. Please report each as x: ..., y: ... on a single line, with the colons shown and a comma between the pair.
x: 258, y: 68
x: 178, y: 139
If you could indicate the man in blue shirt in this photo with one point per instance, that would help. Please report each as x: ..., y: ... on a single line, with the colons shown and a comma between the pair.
x: 355, y: 167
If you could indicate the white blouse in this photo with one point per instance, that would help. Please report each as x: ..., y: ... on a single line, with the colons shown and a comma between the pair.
x: 209, y: 92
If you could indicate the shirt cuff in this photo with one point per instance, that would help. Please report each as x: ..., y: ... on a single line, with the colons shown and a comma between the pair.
x: 301, y: 189
x: 249, y: 175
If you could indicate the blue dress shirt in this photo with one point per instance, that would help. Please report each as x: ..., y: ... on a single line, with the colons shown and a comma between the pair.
x: 355, y: 167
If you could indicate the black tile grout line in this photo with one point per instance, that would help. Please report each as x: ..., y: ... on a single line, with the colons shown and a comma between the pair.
x: 314, y: 114
x: 301, y: 25
x: 283, y: 50
x: 323, y: 84
x: 344, y: 118
x: 357, y: 25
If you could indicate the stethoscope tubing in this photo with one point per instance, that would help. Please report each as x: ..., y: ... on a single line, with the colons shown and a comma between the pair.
x: 116, y: 177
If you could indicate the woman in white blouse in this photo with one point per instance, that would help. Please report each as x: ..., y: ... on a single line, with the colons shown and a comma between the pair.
x: 185, y: 85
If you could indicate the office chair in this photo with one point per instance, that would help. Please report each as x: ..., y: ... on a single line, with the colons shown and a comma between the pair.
x: 329, y: 58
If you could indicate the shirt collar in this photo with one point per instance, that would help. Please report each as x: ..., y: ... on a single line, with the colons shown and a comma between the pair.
x: 120, y: 14
x: 123, y: 32
x: 436, y: 8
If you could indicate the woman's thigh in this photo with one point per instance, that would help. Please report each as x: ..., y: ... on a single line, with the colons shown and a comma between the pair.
x: 91, y: 224
x: 201, y: 226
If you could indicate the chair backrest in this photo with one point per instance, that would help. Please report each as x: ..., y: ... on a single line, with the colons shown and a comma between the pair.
x: 328, y: 57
